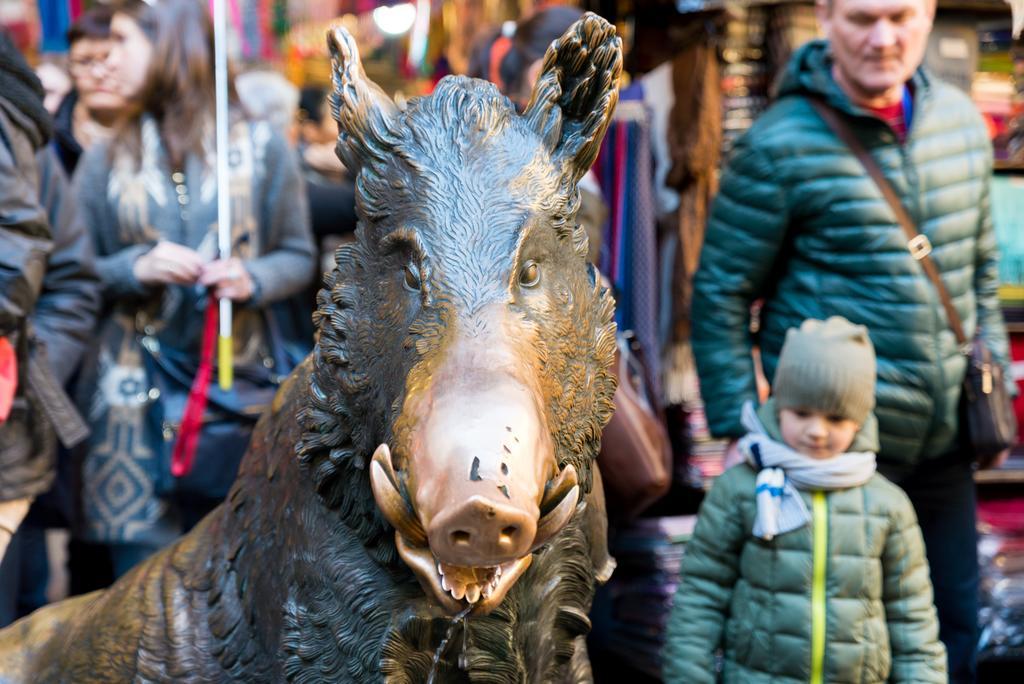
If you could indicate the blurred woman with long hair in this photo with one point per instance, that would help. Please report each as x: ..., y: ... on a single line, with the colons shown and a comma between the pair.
x: 150, y: 199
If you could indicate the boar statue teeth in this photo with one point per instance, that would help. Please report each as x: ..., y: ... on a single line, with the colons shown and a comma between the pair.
x: 421, y: 502
x: 451, y: 584
x: 454, y: 587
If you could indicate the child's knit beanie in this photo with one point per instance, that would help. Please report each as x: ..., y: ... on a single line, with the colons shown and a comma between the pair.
x: 827, y: 366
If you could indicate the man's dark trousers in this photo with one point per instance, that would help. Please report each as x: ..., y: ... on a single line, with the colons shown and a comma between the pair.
x: 943, y: 493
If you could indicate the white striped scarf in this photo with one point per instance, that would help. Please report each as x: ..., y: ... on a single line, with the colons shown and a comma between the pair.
x: 782, y: 471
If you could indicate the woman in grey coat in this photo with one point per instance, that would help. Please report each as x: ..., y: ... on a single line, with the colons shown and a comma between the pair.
x: 150, y: 198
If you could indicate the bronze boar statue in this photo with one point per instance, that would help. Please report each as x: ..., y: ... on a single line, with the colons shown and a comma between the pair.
x: 421, y: 502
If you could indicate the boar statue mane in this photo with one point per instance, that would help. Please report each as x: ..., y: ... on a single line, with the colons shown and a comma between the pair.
x: 421, y: 502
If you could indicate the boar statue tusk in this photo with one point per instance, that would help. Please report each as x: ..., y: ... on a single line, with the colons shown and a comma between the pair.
x: 557, y: 488
x: 392, y: 504
x: 557, y: 517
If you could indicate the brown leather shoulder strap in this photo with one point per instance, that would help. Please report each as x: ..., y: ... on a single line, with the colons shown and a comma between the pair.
x: 917, y: 243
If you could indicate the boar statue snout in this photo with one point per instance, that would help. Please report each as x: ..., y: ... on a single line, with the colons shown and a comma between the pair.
x: 477, y: 493
x: 481, y: 530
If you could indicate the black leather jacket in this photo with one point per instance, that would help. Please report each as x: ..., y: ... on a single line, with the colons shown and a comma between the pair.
x: 49, y: 298
x: 24, y: 228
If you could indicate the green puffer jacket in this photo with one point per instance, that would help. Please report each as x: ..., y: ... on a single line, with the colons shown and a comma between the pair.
x: 852, y: 586
x: 799, y: 222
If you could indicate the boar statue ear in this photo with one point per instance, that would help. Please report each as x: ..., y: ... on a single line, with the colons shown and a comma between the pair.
x: 576, y: 92
x: 363, y: 111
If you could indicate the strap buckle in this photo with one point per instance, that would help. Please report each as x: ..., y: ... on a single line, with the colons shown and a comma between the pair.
x: 920, y: 246
x: 986, y: 378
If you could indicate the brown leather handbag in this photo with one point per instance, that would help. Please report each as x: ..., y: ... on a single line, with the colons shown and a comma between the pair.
x: 986, y: 409
x: 636, y: 454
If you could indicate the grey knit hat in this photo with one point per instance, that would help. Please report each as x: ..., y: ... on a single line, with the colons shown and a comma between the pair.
x: 828, y: 366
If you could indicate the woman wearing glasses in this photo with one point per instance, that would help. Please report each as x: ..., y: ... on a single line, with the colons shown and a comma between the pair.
x: 88, y: 113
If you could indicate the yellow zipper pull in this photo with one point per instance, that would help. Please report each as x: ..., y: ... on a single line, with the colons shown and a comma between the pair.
x: 818, y: 579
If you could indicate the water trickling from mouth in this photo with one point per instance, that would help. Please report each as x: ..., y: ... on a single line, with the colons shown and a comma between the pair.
x: 463, y: 660
x: 456, y: 620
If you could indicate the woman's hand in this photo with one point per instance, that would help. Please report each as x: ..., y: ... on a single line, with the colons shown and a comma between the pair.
x: 168, y: 263
x: 228, y: 278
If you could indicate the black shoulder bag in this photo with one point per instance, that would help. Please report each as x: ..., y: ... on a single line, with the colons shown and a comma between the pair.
x: 227, y: 421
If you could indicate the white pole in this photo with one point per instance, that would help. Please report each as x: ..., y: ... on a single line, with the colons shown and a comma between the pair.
x: 220, y: 51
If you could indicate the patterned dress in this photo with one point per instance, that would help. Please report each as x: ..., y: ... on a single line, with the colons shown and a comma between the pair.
x: 129, y: 206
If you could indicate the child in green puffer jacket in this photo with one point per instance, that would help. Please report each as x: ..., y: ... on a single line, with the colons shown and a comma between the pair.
x: 807, y: 565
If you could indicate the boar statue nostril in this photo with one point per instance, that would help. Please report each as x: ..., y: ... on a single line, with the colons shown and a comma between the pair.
x: 481, y: 532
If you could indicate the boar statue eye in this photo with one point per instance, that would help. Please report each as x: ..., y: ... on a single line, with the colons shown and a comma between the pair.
x: 529, y: 274
x: 412, y: 278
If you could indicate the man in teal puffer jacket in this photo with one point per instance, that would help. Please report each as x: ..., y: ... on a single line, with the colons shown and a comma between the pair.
x: 798, y: 222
